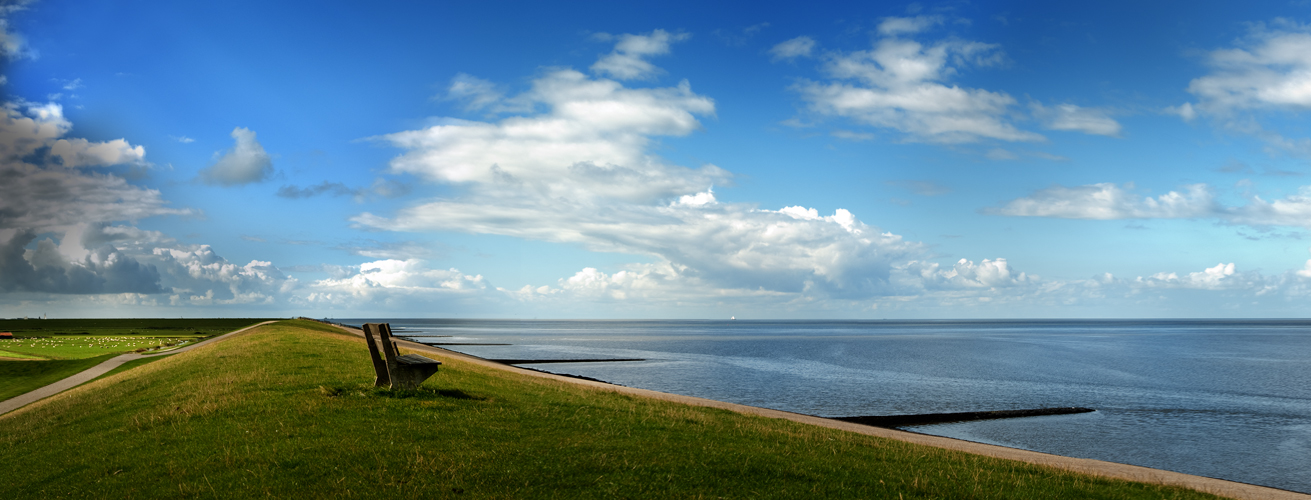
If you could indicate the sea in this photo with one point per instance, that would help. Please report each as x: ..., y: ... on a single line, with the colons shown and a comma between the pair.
x: 1228, y: 399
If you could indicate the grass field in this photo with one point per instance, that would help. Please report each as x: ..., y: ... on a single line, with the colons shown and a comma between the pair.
x: 288, y: 410
x: 22, y: 376
x: 65, y: 339
x: 45, y: 351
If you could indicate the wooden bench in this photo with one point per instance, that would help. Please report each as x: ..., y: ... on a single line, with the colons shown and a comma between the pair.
x: 396, y: 371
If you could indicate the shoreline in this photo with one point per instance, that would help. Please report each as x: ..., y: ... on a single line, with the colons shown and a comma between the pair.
x: 1223, y: 487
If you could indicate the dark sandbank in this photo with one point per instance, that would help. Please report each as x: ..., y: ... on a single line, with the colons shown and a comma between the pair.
x: 894, y: 421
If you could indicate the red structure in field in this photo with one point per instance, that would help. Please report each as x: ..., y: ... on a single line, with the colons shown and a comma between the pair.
x: 6, y: 336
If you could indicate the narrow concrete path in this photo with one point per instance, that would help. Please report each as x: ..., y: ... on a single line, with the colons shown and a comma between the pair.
x: 1214, y: 486
x: 90, y: 374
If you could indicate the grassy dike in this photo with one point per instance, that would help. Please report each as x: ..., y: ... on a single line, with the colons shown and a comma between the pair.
x: 287, y: 410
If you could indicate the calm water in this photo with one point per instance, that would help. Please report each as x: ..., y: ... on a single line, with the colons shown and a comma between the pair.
x: 1226, y: 399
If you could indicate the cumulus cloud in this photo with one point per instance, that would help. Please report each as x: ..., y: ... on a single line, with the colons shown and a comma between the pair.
x: 801, y: 46
x: 244, y: 163
x: 196, y: 275
x: 590, y: 143
x: 102, y: 259
x: 628, y: 60
x: 1292, y: 210
x: 902, y: 85
x: 731, y: 245
x: 36, y: 133
x: 645, y: 286
x: 56, y: 232
x: 581, y: 172
x: 1076, y: 119
x: 46, y: 184
x: 1213, y: 278
x: 965, y: 274
x: 46, y: 268
x: 402, y: 285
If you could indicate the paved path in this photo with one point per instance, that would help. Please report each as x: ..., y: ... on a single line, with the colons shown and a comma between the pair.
x: 1094, y: 467
x: 90, y: 374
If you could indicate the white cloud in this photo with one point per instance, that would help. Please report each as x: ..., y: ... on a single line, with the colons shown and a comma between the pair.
x: 902, y: 85
x: 12, y: 45
x: 1077, y: 119
x: 801, y: 46
x: 182, y: 139
x: 78, y: 152
x: 894, y: 26
x: 31, y: 129
x: 590, y: 143
x: 966, y: 274
x: 475, y: 92
x: 1305, y: 272
x: 1270, y: 68
x: 244, y: 163
x: 628, y: 60
x: 1267, y: 71
x: 1184, y: 111
x: 99, y: 259
x: 45, y: 187
x: 402, y: 285
x: 197, y: 276
x: 1220, y: 277
x: 1106, y: 201
x: 730, y: 245
x: 43, y: 198
x: 1292, y: 210
x: 581, y: 172
x: 47, y: 269
x: 56, y: 237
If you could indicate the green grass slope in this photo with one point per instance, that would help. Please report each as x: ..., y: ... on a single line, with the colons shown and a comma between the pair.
x: 287, y: 411
x: 19, y: 377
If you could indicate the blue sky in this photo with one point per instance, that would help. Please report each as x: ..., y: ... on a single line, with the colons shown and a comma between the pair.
x: 893, y: 160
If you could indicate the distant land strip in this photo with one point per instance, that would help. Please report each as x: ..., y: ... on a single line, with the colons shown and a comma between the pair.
x: 537, y: 361
x: 893, y: 421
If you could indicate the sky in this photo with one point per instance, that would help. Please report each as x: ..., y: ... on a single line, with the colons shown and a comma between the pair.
x: 763, y: 160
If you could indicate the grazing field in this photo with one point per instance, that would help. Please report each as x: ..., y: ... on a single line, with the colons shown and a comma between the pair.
x: 86, y: 338
x: 45, y: 351
x: 289, y: 410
